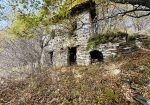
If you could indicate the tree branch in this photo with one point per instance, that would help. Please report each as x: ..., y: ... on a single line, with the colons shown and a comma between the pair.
x: 145, y: 3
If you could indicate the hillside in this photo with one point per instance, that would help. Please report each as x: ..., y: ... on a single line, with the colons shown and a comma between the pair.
x: 113, y: 83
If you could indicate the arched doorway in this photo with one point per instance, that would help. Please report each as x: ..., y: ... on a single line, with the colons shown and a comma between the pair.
x: 96, y: 56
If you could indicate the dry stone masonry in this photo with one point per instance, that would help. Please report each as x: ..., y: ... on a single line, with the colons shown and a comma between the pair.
x: 64, y: 51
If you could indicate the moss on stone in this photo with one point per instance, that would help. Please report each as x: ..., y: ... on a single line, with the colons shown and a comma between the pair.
x: 104, y: 38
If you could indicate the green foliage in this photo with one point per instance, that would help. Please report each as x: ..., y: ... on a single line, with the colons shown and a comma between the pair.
x: 110, y: 94
x: 51, y: 12
x: 104, y: 38
x: 99, y: 100
x: 23, y: 25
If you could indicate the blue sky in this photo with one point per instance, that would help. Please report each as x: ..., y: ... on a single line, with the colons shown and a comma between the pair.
x: 3, y: 24
x: 6, y: 12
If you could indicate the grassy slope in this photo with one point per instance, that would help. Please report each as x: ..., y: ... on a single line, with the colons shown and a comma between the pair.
x: 81, y: 85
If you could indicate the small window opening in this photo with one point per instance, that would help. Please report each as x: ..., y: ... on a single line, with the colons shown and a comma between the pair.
x: 74, y: 25
x: 96, y: 56
x: 51, y: 57
x: 53, y: 34
x: 72, y: 55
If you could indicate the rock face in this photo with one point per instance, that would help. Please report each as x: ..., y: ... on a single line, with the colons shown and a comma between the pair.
x: 65, y: 51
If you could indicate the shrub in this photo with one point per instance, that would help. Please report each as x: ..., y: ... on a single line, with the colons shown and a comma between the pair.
x: 110, y: 94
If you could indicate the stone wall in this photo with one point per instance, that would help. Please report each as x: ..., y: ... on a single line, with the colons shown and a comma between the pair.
x: 60, y: 58
x: 60, y: 44
x: 83, y: 32
x: 108, y: 50
x: 83, y: 56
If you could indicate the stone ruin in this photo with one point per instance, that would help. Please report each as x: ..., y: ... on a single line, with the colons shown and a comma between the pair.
x: 64, y: 51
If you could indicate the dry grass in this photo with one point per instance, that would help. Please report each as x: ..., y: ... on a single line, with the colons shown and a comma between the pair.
x: 81, y: 85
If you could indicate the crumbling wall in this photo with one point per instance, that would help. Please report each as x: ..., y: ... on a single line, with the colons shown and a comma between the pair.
x: 58, y: 46
x: 84, y: 30
x: 108, y: 50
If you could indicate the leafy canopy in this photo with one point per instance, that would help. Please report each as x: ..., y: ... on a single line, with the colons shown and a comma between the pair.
x: 46, y: 12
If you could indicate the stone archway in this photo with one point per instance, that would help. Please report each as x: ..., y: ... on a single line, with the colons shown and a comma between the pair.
x: 96, y: 56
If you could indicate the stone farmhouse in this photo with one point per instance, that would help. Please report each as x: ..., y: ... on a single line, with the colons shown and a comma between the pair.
x: 64, y: 51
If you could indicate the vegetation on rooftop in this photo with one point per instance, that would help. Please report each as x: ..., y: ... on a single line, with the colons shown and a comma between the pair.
x: 104, y: 38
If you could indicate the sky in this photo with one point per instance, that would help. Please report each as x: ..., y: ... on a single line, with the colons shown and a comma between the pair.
x: 4, y: 23
x: 7, y: 11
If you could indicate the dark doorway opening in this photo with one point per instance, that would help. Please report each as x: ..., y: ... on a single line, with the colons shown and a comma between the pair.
x: 51, y: 57
x: 96, y: 56
x: 72, y: 55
